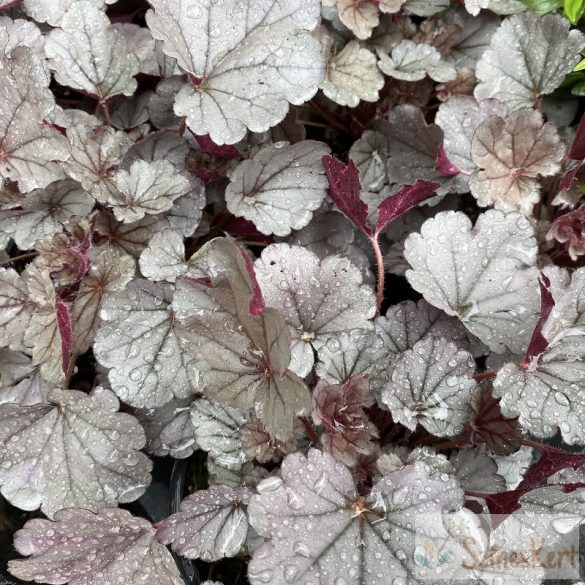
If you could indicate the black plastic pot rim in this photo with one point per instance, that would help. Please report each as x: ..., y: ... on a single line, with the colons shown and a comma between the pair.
x: 177, y: 488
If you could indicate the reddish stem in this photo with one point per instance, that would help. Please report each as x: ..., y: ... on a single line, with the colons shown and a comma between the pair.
x: 310, y: 430
x: 485, y: 376
x: 106, y: 112
x: 380, y: 270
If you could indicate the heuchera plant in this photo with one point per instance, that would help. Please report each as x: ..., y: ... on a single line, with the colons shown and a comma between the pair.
x: 332, y: 253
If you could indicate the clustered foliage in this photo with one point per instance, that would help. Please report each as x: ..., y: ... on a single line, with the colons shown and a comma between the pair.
x: 337, y: 247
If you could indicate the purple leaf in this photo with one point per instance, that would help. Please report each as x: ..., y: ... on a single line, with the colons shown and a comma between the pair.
x: 551, y: 460
x: 227, y: 151
x: 577, y: 150
x: 345, y: 189
x: 444, y: 165
x: 243, y: 358
x: 538, y: 343
x: 257, y: 301
x: 64, y: 326
x: 340, y: 409
x: 408, y: 197
x: 81, y: 548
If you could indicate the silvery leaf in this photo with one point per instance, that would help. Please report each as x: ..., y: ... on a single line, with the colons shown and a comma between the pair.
x: 549, y: 394
x: 369, y: 153
x: 217, y: 429
x: 131, y: 112
x: 111, y: 547
x: 21, y: 33
x: 169, y: 431
x: 512, y: 153
x: 44, y: 212
x: 529, y: 56
x: 138, y: 340
x: 167, y: 145
x: 16, y: 308
x: 414, y: 147
x: 28, y: 148
x: 110, y: 270
x: 31, y: 390
x: 318, y: 298
x: 164, y: 258
x: 492, y: 285
x: 211, y: 525
x: 94, y: 155
x: 477, y: 471
x: 14, y: 366
x: 352, y: 76
x: 52, y: 11
x: 432, y: 384
x: 146, y: 188
x: 425, y: 7
x: 280, y: 187
x: 75, y: 450
x: 242, y: 76
x: 140, y: 43
x: 317, y: 522
x: 87, y: 53
x: 359, y: 17
x: 411, y: 61
x: 459, y: 118
x: 376, y: 352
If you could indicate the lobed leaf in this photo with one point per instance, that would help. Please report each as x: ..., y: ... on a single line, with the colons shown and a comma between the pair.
x: 243, y: 76
x: 73, y: 450
x: 111, y: 547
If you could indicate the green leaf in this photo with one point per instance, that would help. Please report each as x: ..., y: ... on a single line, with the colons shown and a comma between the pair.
x: 574, y: 10
x: 579, y: 88
x: 580, y: 66
x: 542, y: 6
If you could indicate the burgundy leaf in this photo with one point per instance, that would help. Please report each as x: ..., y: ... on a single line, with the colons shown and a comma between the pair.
x: 444, y: 165
x: 538, y: 343
x: 228, y: 151
x: 508, y: 502
x: 238, y: 227
x: 488, y: 425
x: 408, y: 197
x: 65, y: 331
x: 345, y: 189
x: 577, y: 150
x: 551, y: 461
x: 257, y: 301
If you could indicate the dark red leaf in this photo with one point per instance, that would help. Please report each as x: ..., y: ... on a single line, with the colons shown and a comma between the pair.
x: 551, y: 461
x: 257, y: 301
x: 228, y: 151
x: 538, y: 342
x: 238, y: 227
x: 65, y: 331
x: 488, y: 425
x: 345, y: 189
x: 444, y: 165
x: 408, y: 197
x: 577, y: 151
